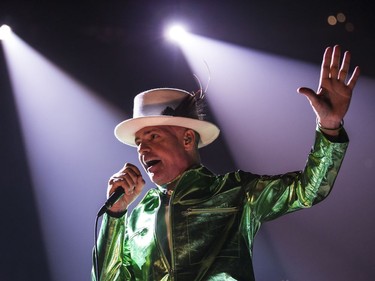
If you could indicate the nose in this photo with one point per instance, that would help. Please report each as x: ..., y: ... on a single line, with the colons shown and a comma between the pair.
x: 143, y: 147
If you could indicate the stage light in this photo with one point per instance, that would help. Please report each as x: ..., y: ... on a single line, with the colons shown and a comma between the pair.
x: 176, y: 33
x: 5, y: 31
x: 60, y: 119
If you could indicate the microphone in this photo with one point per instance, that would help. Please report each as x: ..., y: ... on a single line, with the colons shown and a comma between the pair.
x: 111, y: 200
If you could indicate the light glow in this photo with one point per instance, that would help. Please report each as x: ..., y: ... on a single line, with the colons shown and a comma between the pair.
x: 71, y: 153
x: 5, y: 32
x: 176, y: 33
x: 269, y: 129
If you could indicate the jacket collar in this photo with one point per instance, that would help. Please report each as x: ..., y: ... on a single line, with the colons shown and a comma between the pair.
x: 194, y: 184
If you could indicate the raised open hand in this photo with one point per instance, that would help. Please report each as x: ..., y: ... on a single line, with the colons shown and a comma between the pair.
x: 332, y: 99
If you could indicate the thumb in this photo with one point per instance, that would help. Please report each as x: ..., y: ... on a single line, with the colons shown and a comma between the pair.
x: 308, y: 93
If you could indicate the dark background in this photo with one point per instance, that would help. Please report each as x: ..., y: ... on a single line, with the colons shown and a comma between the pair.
x: 116, y: 48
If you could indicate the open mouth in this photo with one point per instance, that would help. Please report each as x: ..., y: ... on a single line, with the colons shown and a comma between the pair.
x: 151, y: 163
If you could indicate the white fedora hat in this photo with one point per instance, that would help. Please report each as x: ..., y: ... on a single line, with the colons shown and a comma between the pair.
x: 166, y: 107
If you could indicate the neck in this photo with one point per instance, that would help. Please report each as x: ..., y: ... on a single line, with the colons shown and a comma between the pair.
x: 172, y: 184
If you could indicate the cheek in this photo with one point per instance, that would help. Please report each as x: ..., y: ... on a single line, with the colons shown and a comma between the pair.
x: 176, y: 162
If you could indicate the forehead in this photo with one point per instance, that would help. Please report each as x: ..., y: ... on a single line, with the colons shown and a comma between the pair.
x: 154, y: 129
x: 149, y: 129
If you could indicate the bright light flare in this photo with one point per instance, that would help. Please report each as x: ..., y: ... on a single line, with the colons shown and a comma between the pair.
x: 176, y: 33
x: 5, y: 32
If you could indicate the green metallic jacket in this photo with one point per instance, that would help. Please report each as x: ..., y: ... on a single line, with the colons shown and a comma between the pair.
x: 213, y: 220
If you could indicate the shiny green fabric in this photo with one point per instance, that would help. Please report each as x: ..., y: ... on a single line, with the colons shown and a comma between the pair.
x: 214, y: 219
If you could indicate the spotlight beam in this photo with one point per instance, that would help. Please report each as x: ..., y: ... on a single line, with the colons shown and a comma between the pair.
x: 5, y: 32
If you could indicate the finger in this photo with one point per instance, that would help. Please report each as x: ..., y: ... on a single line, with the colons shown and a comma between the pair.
x: 325, y: 70
x: 140, y: 184
x: 131, y: 167
x: 344, y: 67
x: 129, y: 190
x: 113, y: 186
x: 128, y: 173
x: 126, y: 176
x: 113, y: 180
x: 353, y: 79
x: 126, y: 184
x: 127, y: 180
x: 335, y: 62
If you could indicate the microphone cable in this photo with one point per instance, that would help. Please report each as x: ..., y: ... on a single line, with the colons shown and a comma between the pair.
x: 108, y: 204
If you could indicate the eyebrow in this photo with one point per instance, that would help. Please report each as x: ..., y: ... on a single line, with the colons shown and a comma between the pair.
x: 148, y: 132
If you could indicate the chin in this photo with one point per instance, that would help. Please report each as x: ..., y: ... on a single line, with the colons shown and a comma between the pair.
x: 159, y: 181
x: 155, y: 179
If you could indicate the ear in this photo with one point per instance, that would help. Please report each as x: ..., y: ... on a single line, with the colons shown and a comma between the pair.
x: 189, y: 139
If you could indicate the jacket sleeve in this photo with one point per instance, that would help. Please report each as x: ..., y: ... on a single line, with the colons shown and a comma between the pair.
x: 112, y: 258
x: 269, y: 197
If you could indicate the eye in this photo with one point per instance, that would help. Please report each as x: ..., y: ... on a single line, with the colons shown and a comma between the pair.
x: 154, y: 136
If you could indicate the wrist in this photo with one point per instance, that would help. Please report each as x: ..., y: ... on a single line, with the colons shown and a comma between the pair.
x: 330, y: 128
x: 329, y: 124
x: 116, y: 214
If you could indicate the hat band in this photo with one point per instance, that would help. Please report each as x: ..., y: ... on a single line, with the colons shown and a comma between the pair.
x: 186, y: 108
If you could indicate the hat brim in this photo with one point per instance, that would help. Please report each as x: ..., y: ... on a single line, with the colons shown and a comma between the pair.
x: 125, y: 131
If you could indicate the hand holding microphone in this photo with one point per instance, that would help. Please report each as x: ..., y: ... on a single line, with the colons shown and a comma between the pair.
x: 123, y: 188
